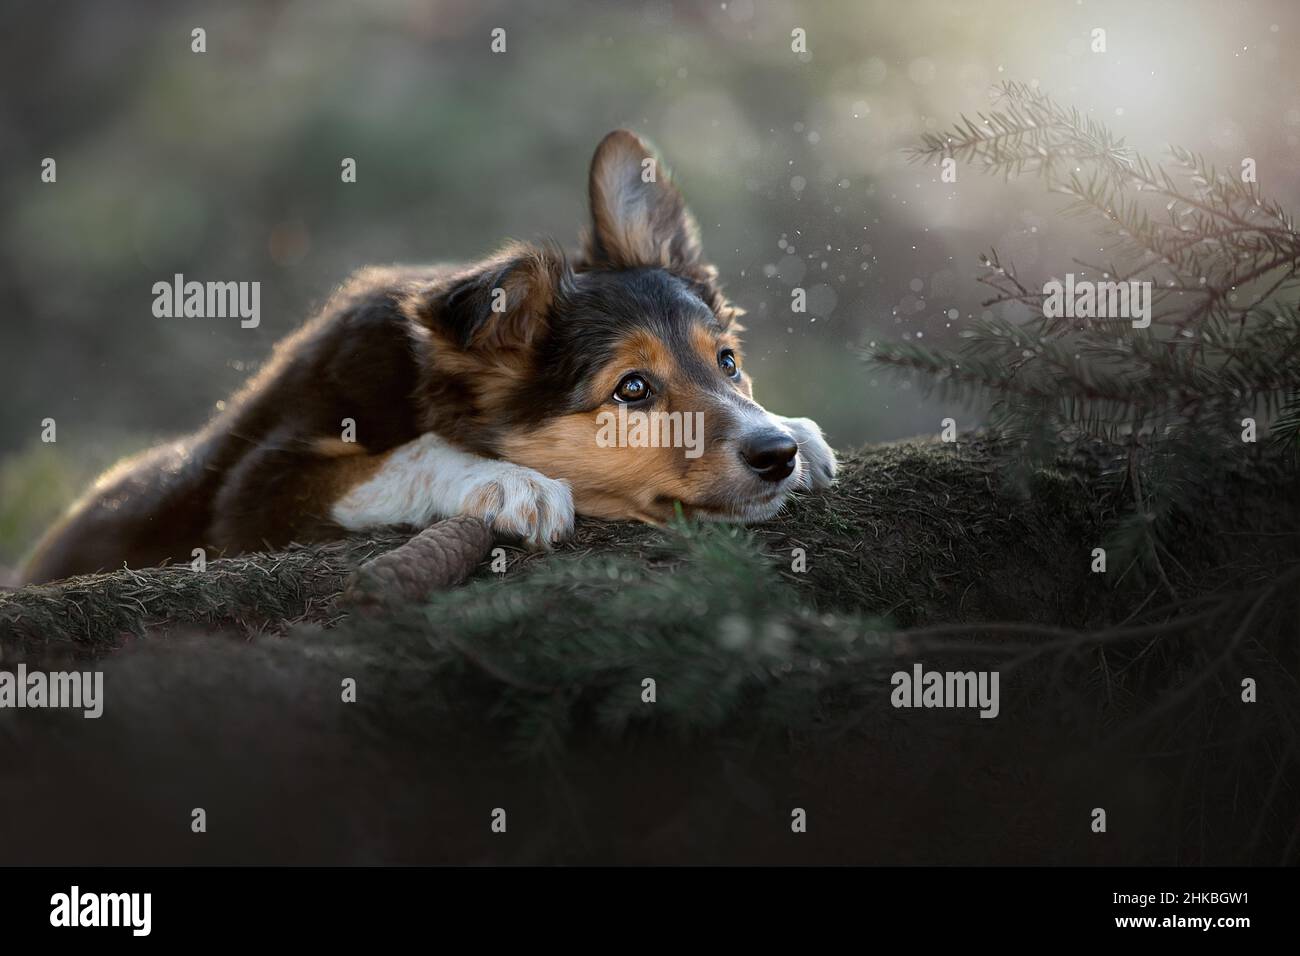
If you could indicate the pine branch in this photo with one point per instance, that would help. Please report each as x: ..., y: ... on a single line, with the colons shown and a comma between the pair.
x: 1223, y: 344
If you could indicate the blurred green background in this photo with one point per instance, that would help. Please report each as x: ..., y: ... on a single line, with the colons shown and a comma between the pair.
x: 225, y: 166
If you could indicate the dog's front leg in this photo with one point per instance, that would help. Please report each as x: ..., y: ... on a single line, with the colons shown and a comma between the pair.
x: 429, y: 478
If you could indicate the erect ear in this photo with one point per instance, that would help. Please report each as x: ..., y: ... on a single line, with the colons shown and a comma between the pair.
x: 505, y: 303
x: 638, y: 217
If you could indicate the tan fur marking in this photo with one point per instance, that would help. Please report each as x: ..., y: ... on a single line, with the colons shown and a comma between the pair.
x: 351, y: 470
x: 619, y: 482
x: 336, y: 448
x: 710, y: 344
x: 641, y: 350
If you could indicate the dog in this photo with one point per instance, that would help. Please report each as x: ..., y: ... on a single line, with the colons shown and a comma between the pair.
x: 421, y: 393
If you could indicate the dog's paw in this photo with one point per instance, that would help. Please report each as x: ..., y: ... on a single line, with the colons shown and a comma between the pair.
x: 817, y: 460
x: 522, y: 503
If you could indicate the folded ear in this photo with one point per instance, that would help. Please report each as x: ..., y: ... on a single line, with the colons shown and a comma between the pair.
x: 507, y: 302
x: 638, y: 218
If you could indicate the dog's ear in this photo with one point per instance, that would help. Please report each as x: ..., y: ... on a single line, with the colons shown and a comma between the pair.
x: 506, y: 302
x: 638, y: 218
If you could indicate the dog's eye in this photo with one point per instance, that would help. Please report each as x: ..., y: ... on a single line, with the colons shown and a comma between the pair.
x: 727, y: 362
x: 633, y: 388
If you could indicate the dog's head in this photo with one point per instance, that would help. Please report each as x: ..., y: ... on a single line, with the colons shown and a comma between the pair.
x: 620, y: 372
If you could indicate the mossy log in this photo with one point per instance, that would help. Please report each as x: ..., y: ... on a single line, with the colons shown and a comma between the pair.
x: 915, y: 532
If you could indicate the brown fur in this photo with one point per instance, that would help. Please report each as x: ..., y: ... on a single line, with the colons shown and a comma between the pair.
x: 405, y: 351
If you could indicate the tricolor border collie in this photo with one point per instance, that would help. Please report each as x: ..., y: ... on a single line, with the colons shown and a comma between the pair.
x: 421, y: 393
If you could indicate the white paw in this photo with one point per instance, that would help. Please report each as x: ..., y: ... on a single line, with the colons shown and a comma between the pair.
x: 522, y: 503
x: 816, y: 459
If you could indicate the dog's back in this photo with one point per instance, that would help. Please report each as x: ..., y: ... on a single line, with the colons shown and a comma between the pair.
x: 353, y: 361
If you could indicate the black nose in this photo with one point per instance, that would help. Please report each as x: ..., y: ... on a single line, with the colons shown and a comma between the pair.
x: 770, y: 453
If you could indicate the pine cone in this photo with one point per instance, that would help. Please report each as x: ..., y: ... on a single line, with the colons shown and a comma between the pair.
x: 439, y: 557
